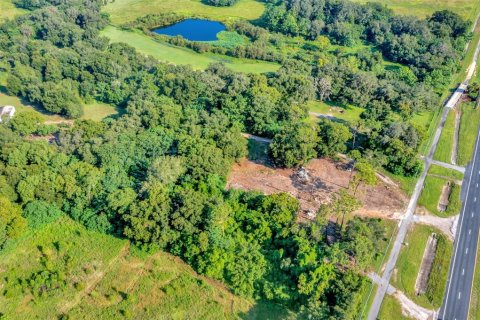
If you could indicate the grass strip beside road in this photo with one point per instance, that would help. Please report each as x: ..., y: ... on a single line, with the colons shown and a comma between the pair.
x: 181, y: 56
x: 445, y: 144
x: 431, y: 193
x: 467, y: 135
x: 391, y: 310
x: 474, y: 312
x: 444, y: 172
x: 408, y: 266
x: 439, y: 272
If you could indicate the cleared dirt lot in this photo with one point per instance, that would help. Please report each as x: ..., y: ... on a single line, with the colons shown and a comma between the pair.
x: 324, y: 177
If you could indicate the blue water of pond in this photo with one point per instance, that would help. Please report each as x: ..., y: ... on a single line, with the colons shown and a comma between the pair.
x: 193, y: 29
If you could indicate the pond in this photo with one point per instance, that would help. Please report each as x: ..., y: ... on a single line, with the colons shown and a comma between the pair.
x: 193, y: 29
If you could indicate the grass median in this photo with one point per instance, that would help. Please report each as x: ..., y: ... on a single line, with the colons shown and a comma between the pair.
x: 468, y: 131
x: 445, y: 144
x: 409, y: 262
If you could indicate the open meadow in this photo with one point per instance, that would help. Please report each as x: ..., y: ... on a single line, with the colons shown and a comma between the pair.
x: 122, y: 11
x: 8, y: 10
x: 88, y: 275
x: 181, y: 56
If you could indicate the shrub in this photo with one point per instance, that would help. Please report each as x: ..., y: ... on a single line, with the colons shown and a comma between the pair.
x: 220, y: 3
x: 39, y: 213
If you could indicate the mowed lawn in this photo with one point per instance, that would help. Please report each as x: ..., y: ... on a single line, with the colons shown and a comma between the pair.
x: 122, y: 11
x: 8, y: 10
x: 391, y: 310
x: 445, y: 144
x: 468, y: 131
x: 345, y: 113
x: 181, y: 56
x: 422, y: 8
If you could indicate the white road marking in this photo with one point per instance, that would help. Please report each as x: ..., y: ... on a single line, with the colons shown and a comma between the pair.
x: 466, y: 251
x: 475, y: 199
x: 463, y: 271
x: 476, y: 185
x: 459, y: 295
x: 469, y: 231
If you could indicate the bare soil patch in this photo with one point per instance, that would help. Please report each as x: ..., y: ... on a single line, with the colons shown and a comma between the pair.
x: 323, y: 178
x: 426, y: 266
x: 443, y: 201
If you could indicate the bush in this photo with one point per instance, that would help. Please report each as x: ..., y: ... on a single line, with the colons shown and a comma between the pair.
x: 220, y: 3
x: 438, y: 274
x: 39, y: 213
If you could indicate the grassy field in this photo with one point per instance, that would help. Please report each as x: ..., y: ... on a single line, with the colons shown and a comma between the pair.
x: 445, y: 144
x: 94, y: 111
x: 181, y: 56
x: 468, y: 131
x: 98, y: 111
x: 346, y: 113
x: 122, y: 11
x: 8, y: 10
x: 409, y: 261
x: 103, y: 277
x: 466, y: 8
x: 391, y: 310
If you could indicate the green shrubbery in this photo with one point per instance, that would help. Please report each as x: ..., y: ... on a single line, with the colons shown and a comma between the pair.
x: 40, y: 212
x: 220, y: 3
x: 438, y: 274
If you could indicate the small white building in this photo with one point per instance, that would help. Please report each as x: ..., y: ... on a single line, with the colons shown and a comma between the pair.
x: 6, y: 111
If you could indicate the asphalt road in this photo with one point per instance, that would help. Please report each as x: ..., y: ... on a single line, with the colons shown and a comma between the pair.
x: 406, y: 222
x: 408, y: 217
x: 462, y: 266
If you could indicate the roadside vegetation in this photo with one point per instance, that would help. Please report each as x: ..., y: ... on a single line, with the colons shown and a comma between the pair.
x: 474, y: 310
x: 408, y: 266
x: 432, y: 192
x: 391, y: 309
x: 445, y: 173
x: 468, y: 131
x: 445, y: 144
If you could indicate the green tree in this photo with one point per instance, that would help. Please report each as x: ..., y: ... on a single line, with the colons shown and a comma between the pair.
x: 294, y: 145
x: 333, y: 138
x: 365, y: 174
x: 26, y: 123
x: 12, y: 224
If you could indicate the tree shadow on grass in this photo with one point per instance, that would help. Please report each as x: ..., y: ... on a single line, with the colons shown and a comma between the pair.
x: 268, y: 311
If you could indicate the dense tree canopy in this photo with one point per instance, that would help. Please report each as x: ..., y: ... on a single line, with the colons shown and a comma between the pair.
x: 156, y: 173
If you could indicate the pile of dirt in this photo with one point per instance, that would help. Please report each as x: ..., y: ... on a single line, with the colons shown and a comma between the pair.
x: 315, y: 184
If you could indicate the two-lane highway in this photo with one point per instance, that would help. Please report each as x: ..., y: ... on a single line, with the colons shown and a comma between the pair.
x: 462, y: 266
